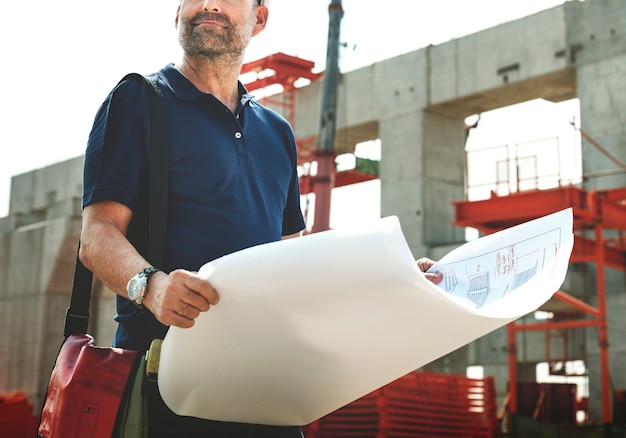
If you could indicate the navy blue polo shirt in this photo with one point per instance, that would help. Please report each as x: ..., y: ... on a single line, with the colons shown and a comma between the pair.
x: 233, y: 179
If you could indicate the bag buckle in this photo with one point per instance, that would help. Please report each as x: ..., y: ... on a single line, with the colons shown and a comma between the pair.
x: 153, y: 357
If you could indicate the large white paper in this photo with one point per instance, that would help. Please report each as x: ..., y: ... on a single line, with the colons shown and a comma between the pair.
x: 487, y: 269
x: 306, y: 326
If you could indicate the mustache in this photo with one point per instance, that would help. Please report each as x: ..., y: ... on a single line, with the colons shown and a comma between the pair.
x: 202, y: 16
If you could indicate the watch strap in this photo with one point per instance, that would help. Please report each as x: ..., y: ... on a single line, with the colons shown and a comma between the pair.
x: 145, y: 273
x: 149, y: 271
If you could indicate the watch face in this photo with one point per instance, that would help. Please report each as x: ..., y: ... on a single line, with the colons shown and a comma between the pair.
x: 134, y: 288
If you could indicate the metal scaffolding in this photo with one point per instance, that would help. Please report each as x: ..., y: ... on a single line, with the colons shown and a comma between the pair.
x: 281, y: 72
x: 595, y: 212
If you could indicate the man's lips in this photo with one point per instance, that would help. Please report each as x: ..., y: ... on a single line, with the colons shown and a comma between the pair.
x: 209, y: 20
x: 209, y: 23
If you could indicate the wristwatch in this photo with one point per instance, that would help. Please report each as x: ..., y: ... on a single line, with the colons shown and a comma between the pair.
x: 137, y: 285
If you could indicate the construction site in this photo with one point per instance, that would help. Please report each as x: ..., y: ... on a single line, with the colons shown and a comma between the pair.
x: 417, y: 107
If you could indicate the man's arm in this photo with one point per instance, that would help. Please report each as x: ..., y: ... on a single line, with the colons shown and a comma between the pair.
x: 175, y: 299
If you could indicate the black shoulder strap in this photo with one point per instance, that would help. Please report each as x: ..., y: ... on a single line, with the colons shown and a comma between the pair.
x: 158, y: 174
x: 77, y: 315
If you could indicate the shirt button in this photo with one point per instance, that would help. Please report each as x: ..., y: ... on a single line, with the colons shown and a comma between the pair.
x: 237, y: 135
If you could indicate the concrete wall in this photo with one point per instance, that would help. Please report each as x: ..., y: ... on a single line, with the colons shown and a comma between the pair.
x: 415, y: 104
x: 37, y: 257
x: 596, y: 28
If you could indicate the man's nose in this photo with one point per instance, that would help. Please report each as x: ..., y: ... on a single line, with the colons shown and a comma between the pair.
x: 211, y: 5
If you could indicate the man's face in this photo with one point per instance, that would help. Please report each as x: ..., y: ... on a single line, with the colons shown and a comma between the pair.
x: 219, y: 27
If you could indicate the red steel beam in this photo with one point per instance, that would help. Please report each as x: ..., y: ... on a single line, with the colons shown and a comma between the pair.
x: 579, y: 304
x: 613, y: 213
x: 343, y: 178
x: 595, y: 210
x: 603, y: 329
x: 585, y: 250
x: 498, y: 213
x: 287, y: 69
x: 512, y: 356
x: 578, y: 323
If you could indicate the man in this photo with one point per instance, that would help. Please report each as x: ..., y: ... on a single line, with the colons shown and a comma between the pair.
x: 233, y: 184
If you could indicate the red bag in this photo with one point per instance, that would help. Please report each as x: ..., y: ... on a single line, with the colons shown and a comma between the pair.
x: 89, y: 384
x: 85, y: 389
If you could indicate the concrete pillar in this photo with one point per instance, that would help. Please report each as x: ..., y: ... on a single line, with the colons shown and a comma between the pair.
x: 444, y: 170
x: 402, y: 175
x: 603, y: 111
x: 603, y: 114
x: 422, y: 168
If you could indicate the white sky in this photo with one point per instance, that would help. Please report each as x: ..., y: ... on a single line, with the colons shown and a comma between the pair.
x: 61, y: 58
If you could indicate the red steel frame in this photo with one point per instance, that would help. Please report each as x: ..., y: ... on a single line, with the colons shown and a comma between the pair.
x: 595, y: 211
x: 285, y: 70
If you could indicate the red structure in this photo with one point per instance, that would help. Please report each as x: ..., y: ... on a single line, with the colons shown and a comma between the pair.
x: 548, y: 402
x: 283, y: 71
x: 595, y: 212
x: 16, y: 416
x: 420, y: 404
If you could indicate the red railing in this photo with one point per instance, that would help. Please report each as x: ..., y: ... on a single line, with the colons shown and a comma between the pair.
x: 420, y: 404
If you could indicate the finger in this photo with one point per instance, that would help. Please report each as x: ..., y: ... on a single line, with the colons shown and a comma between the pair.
x: 435, y: 277
x: 202, y: 288
x: 168, y: 316
x: 190, y: 311
x: 425, y: 264
x: 176, y: 320
x: 193, y: 300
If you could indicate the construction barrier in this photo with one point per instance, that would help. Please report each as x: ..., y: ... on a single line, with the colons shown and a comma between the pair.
x: 549, y: 402
x: 16, y: 416
x: 420, y: 404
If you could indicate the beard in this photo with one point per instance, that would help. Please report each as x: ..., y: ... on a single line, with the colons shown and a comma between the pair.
x: 212, y: 42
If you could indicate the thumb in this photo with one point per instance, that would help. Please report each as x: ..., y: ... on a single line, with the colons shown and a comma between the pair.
x: 435, y: 277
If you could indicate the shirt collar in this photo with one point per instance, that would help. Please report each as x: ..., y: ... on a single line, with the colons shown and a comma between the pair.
x: 184, y: 89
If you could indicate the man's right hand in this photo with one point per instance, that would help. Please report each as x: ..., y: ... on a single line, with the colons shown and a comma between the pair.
x: 178, y: 298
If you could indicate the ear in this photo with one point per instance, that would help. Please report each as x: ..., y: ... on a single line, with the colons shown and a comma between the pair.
x: 176, y: 19
x: 261, y: 19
